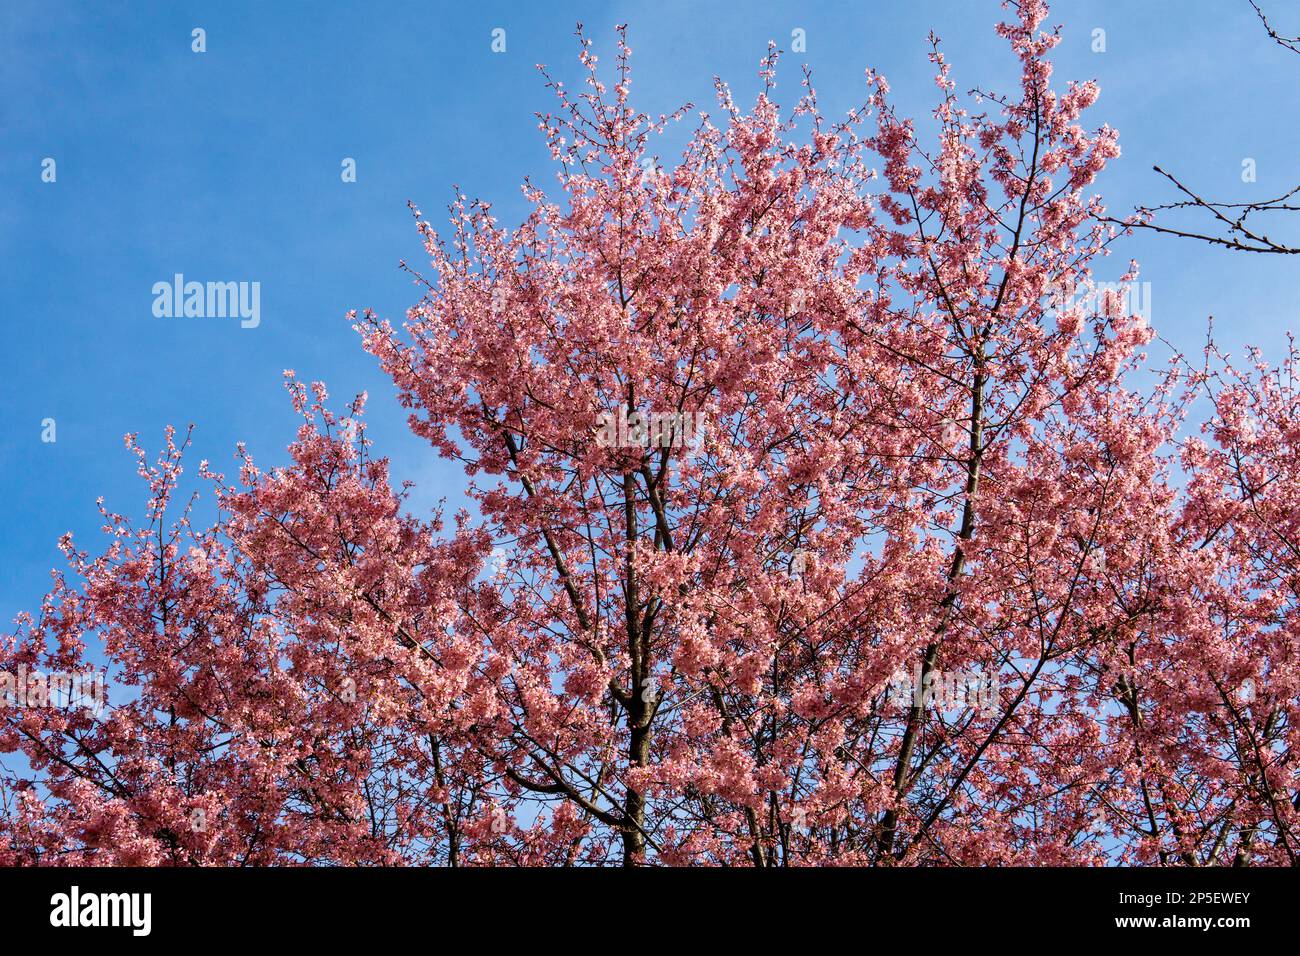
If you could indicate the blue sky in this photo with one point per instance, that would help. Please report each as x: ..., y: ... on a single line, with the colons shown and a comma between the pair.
x: 225, y: 166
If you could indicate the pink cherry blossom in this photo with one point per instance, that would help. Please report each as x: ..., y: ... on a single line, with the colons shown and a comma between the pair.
x: 913, y: 462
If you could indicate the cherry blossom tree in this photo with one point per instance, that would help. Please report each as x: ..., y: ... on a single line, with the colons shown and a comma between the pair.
x: 818, y: 521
